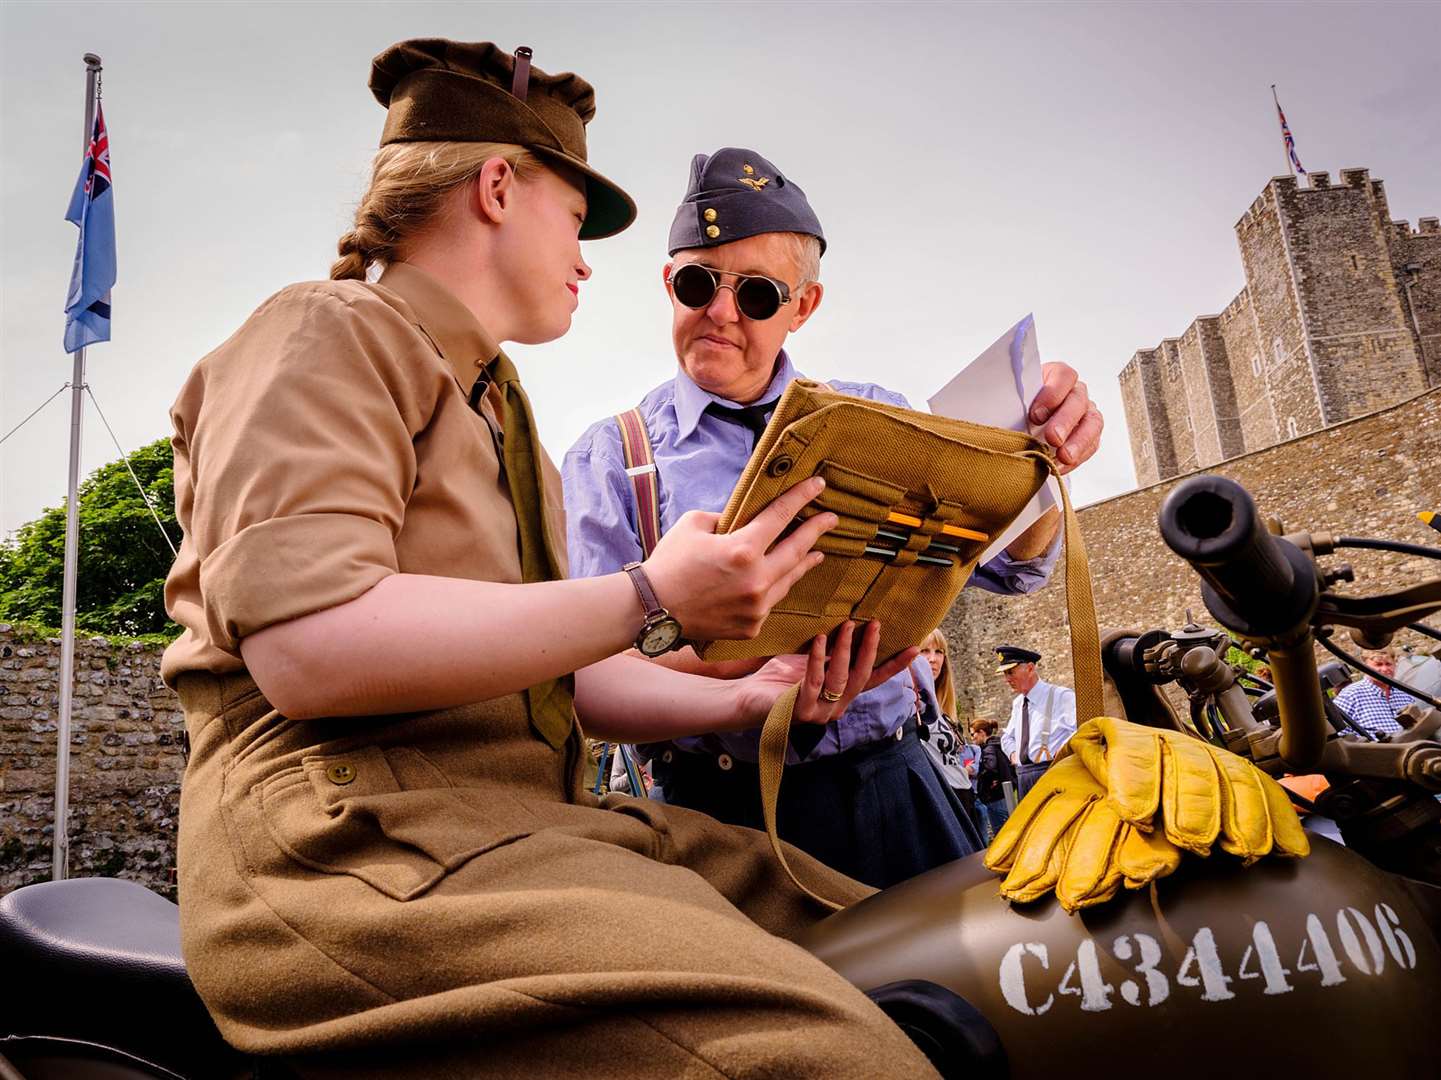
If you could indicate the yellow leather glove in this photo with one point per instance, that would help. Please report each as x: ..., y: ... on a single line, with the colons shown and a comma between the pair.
x: 1188, y: 790
x: 1066, y: 836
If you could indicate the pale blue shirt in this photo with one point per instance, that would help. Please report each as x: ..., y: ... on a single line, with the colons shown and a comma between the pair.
x: 699, y: 459
x: 1053, y: 722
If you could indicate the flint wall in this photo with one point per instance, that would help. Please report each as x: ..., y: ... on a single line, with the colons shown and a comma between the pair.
x: 125, y: 759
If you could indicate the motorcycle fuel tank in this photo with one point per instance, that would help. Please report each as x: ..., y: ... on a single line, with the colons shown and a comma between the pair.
x: 1323, y: 966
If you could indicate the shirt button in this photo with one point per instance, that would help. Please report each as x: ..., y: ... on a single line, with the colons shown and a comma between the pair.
x: 667, y: 757
x: 900, y: 733
x: 725, y: 762
x: 340, y: 773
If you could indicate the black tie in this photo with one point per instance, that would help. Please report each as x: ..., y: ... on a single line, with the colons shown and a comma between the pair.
x: 1025, y: 731
x: 751, y: 417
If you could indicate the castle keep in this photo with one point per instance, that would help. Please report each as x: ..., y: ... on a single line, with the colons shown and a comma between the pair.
x: 1340, y: 317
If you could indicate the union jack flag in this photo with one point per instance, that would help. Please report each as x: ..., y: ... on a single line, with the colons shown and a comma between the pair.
x: 1289, y: 141
x: 92, y: 208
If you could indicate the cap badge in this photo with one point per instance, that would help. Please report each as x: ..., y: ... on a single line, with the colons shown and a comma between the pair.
x: 748, y: 169
x: 756, y: 184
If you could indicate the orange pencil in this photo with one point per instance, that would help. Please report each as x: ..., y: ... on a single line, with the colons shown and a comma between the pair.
x: 949, y: 530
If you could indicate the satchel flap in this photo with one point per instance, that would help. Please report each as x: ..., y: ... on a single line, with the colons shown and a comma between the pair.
x: 896, y: 478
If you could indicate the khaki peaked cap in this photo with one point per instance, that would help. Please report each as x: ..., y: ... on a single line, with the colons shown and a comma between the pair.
x: 436, y: 90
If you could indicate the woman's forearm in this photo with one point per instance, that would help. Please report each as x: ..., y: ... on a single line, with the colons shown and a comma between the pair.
x: 627, y: 699
x: 417, y: 642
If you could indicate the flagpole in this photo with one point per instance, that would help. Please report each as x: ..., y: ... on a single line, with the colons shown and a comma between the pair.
x: 60, y: 852
x: 1285, y: 150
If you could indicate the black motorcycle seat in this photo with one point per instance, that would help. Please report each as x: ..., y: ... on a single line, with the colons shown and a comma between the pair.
x: 110, y: 927
x: 100, y: 960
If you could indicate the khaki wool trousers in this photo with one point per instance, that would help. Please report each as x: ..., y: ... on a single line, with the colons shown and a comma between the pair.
x: 433, y: 896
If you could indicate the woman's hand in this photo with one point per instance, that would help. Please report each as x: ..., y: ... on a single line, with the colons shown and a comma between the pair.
x: 840, y: 676
x: 723, y: 586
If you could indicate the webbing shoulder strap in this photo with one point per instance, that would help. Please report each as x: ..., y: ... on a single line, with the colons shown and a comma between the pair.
x: 640, y: 467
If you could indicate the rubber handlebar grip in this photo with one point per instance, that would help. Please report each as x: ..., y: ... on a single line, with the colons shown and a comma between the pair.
x: 1213, y: 524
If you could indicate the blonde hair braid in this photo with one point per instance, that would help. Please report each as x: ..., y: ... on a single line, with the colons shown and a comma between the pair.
x: 409, y: 183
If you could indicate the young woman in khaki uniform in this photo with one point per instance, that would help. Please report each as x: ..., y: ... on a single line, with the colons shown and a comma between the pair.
x: 388, y: 866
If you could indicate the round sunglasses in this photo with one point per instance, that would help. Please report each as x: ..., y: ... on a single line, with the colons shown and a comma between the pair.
x: 758, y: 297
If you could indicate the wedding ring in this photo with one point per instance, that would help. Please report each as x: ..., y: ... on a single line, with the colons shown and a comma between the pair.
x: 830, y: 695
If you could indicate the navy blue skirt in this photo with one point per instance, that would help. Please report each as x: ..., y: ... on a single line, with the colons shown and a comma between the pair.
x: 879, y: 813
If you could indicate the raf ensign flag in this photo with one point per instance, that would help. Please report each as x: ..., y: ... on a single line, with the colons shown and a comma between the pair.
x: 92, y: 207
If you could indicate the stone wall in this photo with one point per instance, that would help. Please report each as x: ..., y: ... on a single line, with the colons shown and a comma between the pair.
x: 1201, y: 407
x: 1176, y: 396
x: 1281, y: 335
x: 1256, y: 412
x: 1363, y: 351
x: 1138, y: 423
x: 125, y: 761
x: 1416, y: 261
x: 1367, y: 477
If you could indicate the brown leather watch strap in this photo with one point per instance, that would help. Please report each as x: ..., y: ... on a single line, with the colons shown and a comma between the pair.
x: 641, y: 581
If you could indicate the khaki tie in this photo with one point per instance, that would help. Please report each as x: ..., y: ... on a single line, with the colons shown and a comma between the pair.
x: 551, y: 703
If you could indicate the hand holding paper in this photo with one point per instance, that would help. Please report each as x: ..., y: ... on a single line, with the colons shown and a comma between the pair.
x: 1007, y: 386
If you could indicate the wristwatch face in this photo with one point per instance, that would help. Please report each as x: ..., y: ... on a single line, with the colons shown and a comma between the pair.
x: 659, y: 638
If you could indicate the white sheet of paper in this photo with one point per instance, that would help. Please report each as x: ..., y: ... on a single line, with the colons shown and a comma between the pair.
x: 996, y: 389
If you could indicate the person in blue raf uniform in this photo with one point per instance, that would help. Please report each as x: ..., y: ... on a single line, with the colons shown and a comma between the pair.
x: 1043, y: 716
x: 744, y: 273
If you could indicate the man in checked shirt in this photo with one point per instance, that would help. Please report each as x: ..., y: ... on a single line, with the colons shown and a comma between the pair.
x: 1371, y: 703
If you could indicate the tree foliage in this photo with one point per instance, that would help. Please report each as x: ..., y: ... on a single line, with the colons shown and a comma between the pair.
x: 123, y: 558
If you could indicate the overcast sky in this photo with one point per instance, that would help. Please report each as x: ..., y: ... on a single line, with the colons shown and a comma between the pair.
x: 969, y: 163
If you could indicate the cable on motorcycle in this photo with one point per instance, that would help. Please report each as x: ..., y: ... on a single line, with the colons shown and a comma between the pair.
x: 1423, y: 550
x: 1422, y: 628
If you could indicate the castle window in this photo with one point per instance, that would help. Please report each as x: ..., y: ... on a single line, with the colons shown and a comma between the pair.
x: 1292, y: 428
x: 1256, y: 363
x: 1354, y: 264
x: 1278, y: 350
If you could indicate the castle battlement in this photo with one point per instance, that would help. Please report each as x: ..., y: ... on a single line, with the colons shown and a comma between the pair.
x: 1340, y: 316
x: 1237, y: 308
x: 1425, y: 227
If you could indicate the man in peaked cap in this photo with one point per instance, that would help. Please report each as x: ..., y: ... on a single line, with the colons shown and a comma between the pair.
x: 1043, y: 716
x: 744, y: 273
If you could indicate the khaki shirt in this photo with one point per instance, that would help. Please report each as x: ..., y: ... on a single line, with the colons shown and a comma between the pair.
x: 327, y: 444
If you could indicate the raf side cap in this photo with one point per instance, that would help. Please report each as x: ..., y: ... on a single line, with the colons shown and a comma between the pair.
x: 735, y: 193
x: 435, y: 90
x: 1008, y: 656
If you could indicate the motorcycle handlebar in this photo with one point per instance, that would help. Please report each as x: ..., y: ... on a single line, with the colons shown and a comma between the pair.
x: 1260, y: 586
x: 1266, y: 586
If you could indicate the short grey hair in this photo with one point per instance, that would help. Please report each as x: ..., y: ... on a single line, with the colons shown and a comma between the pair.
x: 805, y: 253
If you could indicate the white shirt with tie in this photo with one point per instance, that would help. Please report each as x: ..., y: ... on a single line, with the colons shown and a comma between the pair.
x: 1048, y: 701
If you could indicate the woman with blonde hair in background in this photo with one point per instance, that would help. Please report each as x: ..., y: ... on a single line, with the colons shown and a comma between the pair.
x: 939, y: 734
